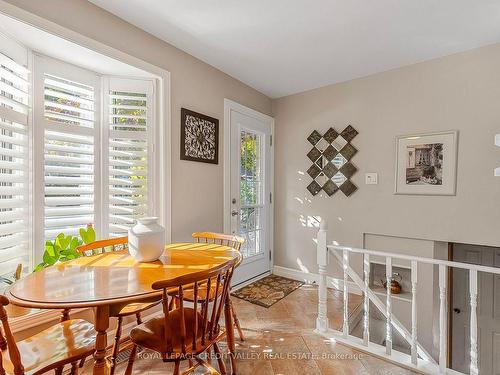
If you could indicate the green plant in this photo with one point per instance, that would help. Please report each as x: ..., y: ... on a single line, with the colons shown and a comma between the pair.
x: 16, y: 276
x: 63, y: 248
x: 249, y: 153
x: 87, y: 235
x: 248, y: 169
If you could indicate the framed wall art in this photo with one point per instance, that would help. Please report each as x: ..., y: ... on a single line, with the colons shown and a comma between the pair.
x: 199, y: 137
x: 427, y: 163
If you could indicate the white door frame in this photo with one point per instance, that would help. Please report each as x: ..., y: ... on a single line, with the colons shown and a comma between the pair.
x: 229, y: 106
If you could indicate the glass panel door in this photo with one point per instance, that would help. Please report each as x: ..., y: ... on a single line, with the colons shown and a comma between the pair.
x: 251, y: 192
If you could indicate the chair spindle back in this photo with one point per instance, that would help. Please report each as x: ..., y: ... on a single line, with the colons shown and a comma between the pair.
x: 204, y: 325
x: 219, y: 239
x: 14, y: 354
x: 102, y: 246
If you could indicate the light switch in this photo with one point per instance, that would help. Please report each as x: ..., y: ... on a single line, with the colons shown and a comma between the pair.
x: 371, y: 178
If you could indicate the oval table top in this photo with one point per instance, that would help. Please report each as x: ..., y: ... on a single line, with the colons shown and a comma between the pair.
x: 113, y: 276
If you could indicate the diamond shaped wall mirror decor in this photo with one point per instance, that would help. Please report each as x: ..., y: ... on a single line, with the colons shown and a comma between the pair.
x: 330, y: 156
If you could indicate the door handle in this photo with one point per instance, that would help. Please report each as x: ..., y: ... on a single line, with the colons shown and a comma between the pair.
x: 456, y: 310
x: 234, y: 213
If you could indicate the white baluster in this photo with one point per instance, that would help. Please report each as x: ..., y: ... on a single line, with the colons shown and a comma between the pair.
x: 322, y: 259
x: 366, y: 303
x: 388, y: 306
x: 414, y: 270
x: 443, y: 318
x: 345, y: 265
x: 473, y: 322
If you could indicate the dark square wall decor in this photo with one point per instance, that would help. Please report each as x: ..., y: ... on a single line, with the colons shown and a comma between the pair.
x: 199, y: 137
x: 331, y: 155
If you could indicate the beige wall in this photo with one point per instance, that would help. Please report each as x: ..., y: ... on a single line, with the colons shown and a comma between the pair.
x: 456, y: 92
x: 196, y: 187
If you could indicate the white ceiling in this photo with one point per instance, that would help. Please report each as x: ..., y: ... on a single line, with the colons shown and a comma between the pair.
x: 282, y: 47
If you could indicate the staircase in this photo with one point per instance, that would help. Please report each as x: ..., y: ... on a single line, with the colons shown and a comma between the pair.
x: 409, y: 352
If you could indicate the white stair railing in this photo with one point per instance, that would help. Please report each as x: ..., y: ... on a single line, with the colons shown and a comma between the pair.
x: 381, y: 307
x: 419, y: 358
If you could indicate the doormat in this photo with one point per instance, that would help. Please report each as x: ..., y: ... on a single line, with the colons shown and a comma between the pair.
x: 123, y: 356
x: 267, y: 291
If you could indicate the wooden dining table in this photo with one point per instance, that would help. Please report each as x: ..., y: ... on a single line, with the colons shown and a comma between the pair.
x: 109, y: 281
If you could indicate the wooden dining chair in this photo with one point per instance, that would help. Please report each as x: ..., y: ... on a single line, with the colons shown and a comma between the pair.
x: 117, y: 244
x: 64, y: 343
x: 225, y: 240
x: 184, y: 333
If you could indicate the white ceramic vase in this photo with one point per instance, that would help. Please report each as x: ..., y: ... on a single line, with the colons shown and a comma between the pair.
x: 146, y: 240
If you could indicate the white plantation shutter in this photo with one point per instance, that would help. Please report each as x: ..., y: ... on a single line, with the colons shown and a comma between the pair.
x: 70, y: 154
x: 130, y: 134
x: 14, y: 157
x: 94, y: 151
x: 69, y: 182
x: 68, y: 102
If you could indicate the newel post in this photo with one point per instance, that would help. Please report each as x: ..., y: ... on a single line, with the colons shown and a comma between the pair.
x: 322, y: 257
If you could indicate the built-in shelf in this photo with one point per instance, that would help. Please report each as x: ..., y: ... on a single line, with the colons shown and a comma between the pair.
x: 403, y: 296
x: 377, y: 277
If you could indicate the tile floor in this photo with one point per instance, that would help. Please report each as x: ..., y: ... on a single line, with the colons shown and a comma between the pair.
x: 279, y: 340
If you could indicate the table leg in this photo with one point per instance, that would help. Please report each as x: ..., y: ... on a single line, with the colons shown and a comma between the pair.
x: 230, y: 334
x: 101, y: 325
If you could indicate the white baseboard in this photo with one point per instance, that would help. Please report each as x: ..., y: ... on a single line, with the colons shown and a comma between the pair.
x: 313, y: 278
x: 245, y: 283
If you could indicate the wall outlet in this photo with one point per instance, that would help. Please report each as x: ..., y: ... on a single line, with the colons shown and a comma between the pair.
x: 371, y: 178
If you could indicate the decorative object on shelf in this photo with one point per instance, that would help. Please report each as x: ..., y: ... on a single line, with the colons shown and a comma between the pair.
x: 396, y: 280
x: 146, y: 240
x: 199, y: 137
x: 426, y: 163
x: 331, y: 156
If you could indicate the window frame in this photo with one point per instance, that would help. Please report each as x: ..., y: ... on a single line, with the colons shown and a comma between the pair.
x: 101, y: 83
x: 117, y: 83
x: 164, y: 125
x: 22, y: 56
x: 42, y: 65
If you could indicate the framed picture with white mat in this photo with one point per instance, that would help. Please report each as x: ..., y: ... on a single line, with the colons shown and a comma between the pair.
x: 426, y: 164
